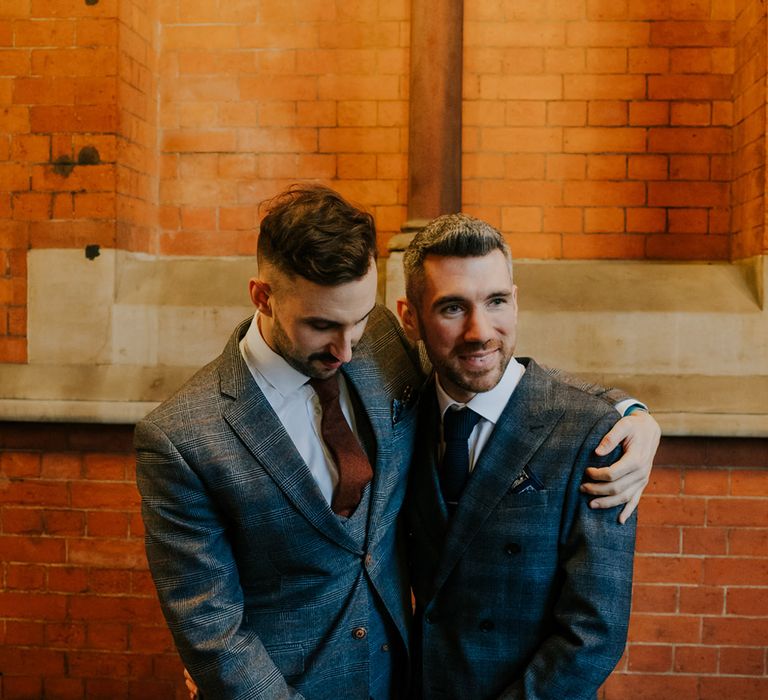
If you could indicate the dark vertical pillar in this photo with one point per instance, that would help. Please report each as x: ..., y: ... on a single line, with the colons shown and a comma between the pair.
x: 434, y: 150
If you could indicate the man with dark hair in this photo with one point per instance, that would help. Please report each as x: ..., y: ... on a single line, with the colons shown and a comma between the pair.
x: 272, y: 481
x: 522, y: 590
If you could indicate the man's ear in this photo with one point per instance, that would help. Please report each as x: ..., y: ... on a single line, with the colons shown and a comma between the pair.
x: 408, y: 319
x: 261, y: 295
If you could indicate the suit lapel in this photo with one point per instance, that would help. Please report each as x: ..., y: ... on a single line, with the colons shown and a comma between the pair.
x: 525, y: 423
x: 252, y: 419
x: 364, y: 376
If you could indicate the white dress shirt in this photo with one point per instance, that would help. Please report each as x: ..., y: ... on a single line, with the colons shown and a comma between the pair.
x: 488, y: 404
x: 296, y: 405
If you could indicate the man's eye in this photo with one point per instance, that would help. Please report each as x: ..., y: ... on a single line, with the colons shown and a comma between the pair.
x: 451, y: 309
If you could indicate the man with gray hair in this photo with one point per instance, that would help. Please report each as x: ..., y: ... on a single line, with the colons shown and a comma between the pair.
x: 522, y: 590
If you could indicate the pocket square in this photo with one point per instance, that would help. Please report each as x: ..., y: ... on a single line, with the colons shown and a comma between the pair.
x: 526, y: 482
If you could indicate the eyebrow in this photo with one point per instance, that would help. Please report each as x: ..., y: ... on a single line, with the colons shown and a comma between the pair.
x: 456, y: 299
x: 333, y: 322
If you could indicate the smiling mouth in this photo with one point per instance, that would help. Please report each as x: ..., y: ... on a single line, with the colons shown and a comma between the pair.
x: 480, y: 359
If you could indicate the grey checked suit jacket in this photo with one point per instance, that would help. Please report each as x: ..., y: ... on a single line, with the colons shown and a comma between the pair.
x: 523, y: 594
x: 261, y: 585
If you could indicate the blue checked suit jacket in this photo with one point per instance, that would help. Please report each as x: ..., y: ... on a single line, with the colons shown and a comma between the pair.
x: 525, y: 594
x: 257, y: 578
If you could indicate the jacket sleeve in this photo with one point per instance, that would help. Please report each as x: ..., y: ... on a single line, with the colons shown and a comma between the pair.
x: 197, y: 580
x: 591, y: 612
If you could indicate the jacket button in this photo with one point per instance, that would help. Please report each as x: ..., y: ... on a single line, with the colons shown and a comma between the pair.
x: 512, y: 548
x: 359, y: 632
x: 430, y: 618
x: 486, y: 625
x: 368, y: 559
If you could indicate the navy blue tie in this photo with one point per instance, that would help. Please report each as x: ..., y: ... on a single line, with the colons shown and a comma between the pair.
x: 454, y: 471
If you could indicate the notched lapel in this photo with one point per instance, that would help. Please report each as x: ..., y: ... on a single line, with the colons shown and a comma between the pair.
x: 524, y: 425
x: 254, y: 422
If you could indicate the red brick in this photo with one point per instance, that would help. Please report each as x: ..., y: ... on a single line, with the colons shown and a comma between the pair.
x: 669, y: 629
x: 748, y: 601
x: 668, y: 510
x: 154, y: 640
x: 65, y: 635
x: 668, y: 569
x: 602, y: 246
x: 604, y: 140
x: 689, y: 167
x: 687, y: 221
x: 733, y: 688
x: 702, y: 600
x: 22, y: 521
x: 67, y: 579
x: 749, y: 483
x: 646, y: 220
x: 737, y: 512
x: 604, y: 220
x: 705, y: 540
x: 747, y: 542
x: 687, y: 247
x: 734, y: 571
x: 650, y: 657
x: 64, y: 522
x: 104, y: 495
x: 107, y: 637
x: 735, y: 631
x: 32, y: 549
x: 678, y: 34
x: 107, y: 553
x: 61, y: 465
x: 654, y: 598
x: 695, y: 659
x: 689, y: 140
x: 39, y: 662
x: 691, y: 114
x: 665, y: 540
x: 112, y: 608
x: 23, y: 633
x: 688, y: 194
x: 647, y: 167
x: 648, y: 686
x: 743, y: 662
x: 32, y: 606
x: 64, y: 688
x: 23, y: 577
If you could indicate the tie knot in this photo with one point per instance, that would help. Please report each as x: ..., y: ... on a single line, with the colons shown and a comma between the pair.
x: 458, y: 425
x: 326, y: 389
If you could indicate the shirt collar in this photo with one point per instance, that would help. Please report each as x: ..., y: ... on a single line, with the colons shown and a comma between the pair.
x: 489, y: 404
x: 273, y: 367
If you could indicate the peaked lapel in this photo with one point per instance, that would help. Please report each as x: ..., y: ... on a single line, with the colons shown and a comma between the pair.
x: 252, y: 419
x: 528, y: 418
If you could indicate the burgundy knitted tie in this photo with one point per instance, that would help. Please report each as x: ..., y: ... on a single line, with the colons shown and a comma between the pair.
x: 353, y: 465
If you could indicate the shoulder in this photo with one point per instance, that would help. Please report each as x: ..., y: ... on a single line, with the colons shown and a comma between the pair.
x: 578, y: 407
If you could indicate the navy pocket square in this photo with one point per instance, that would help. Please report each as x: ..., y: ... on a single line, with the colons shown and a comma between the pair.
x: 525, y: 482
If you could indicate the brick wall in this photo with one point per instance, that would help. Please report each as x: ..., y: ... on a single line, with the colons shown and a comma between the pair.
x: 748, y: 196
x: 78, y: 616
x: 601, y: 129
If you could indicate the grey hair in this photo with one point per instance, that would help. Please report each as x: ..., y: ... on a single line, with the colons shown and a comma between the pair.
x: 449, y: 235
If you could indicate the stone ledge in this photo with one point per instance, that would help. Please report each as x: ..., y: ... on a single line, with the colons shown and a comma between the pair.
x: 690, y: 339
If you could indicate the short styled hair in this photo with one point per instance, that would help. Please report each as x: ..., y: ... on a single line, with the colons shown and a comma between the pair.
x: 312, y: 231
x: 449, y: 235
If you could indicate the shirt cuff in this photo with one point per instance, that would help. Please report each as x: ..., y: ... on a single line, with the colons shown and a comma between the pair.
x: 628, y: 406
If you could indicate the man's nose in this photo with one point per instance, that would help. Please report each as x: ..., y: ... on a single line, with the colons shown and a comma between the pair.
x: 478, y: 327
x: 341, y: 347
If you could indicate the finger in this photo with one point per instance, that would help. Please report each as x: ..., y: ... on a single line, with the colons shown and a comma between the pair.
x: 620, y: 431
x: 626, y: 465
x: 627, y: 484
x: 628, y: 509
